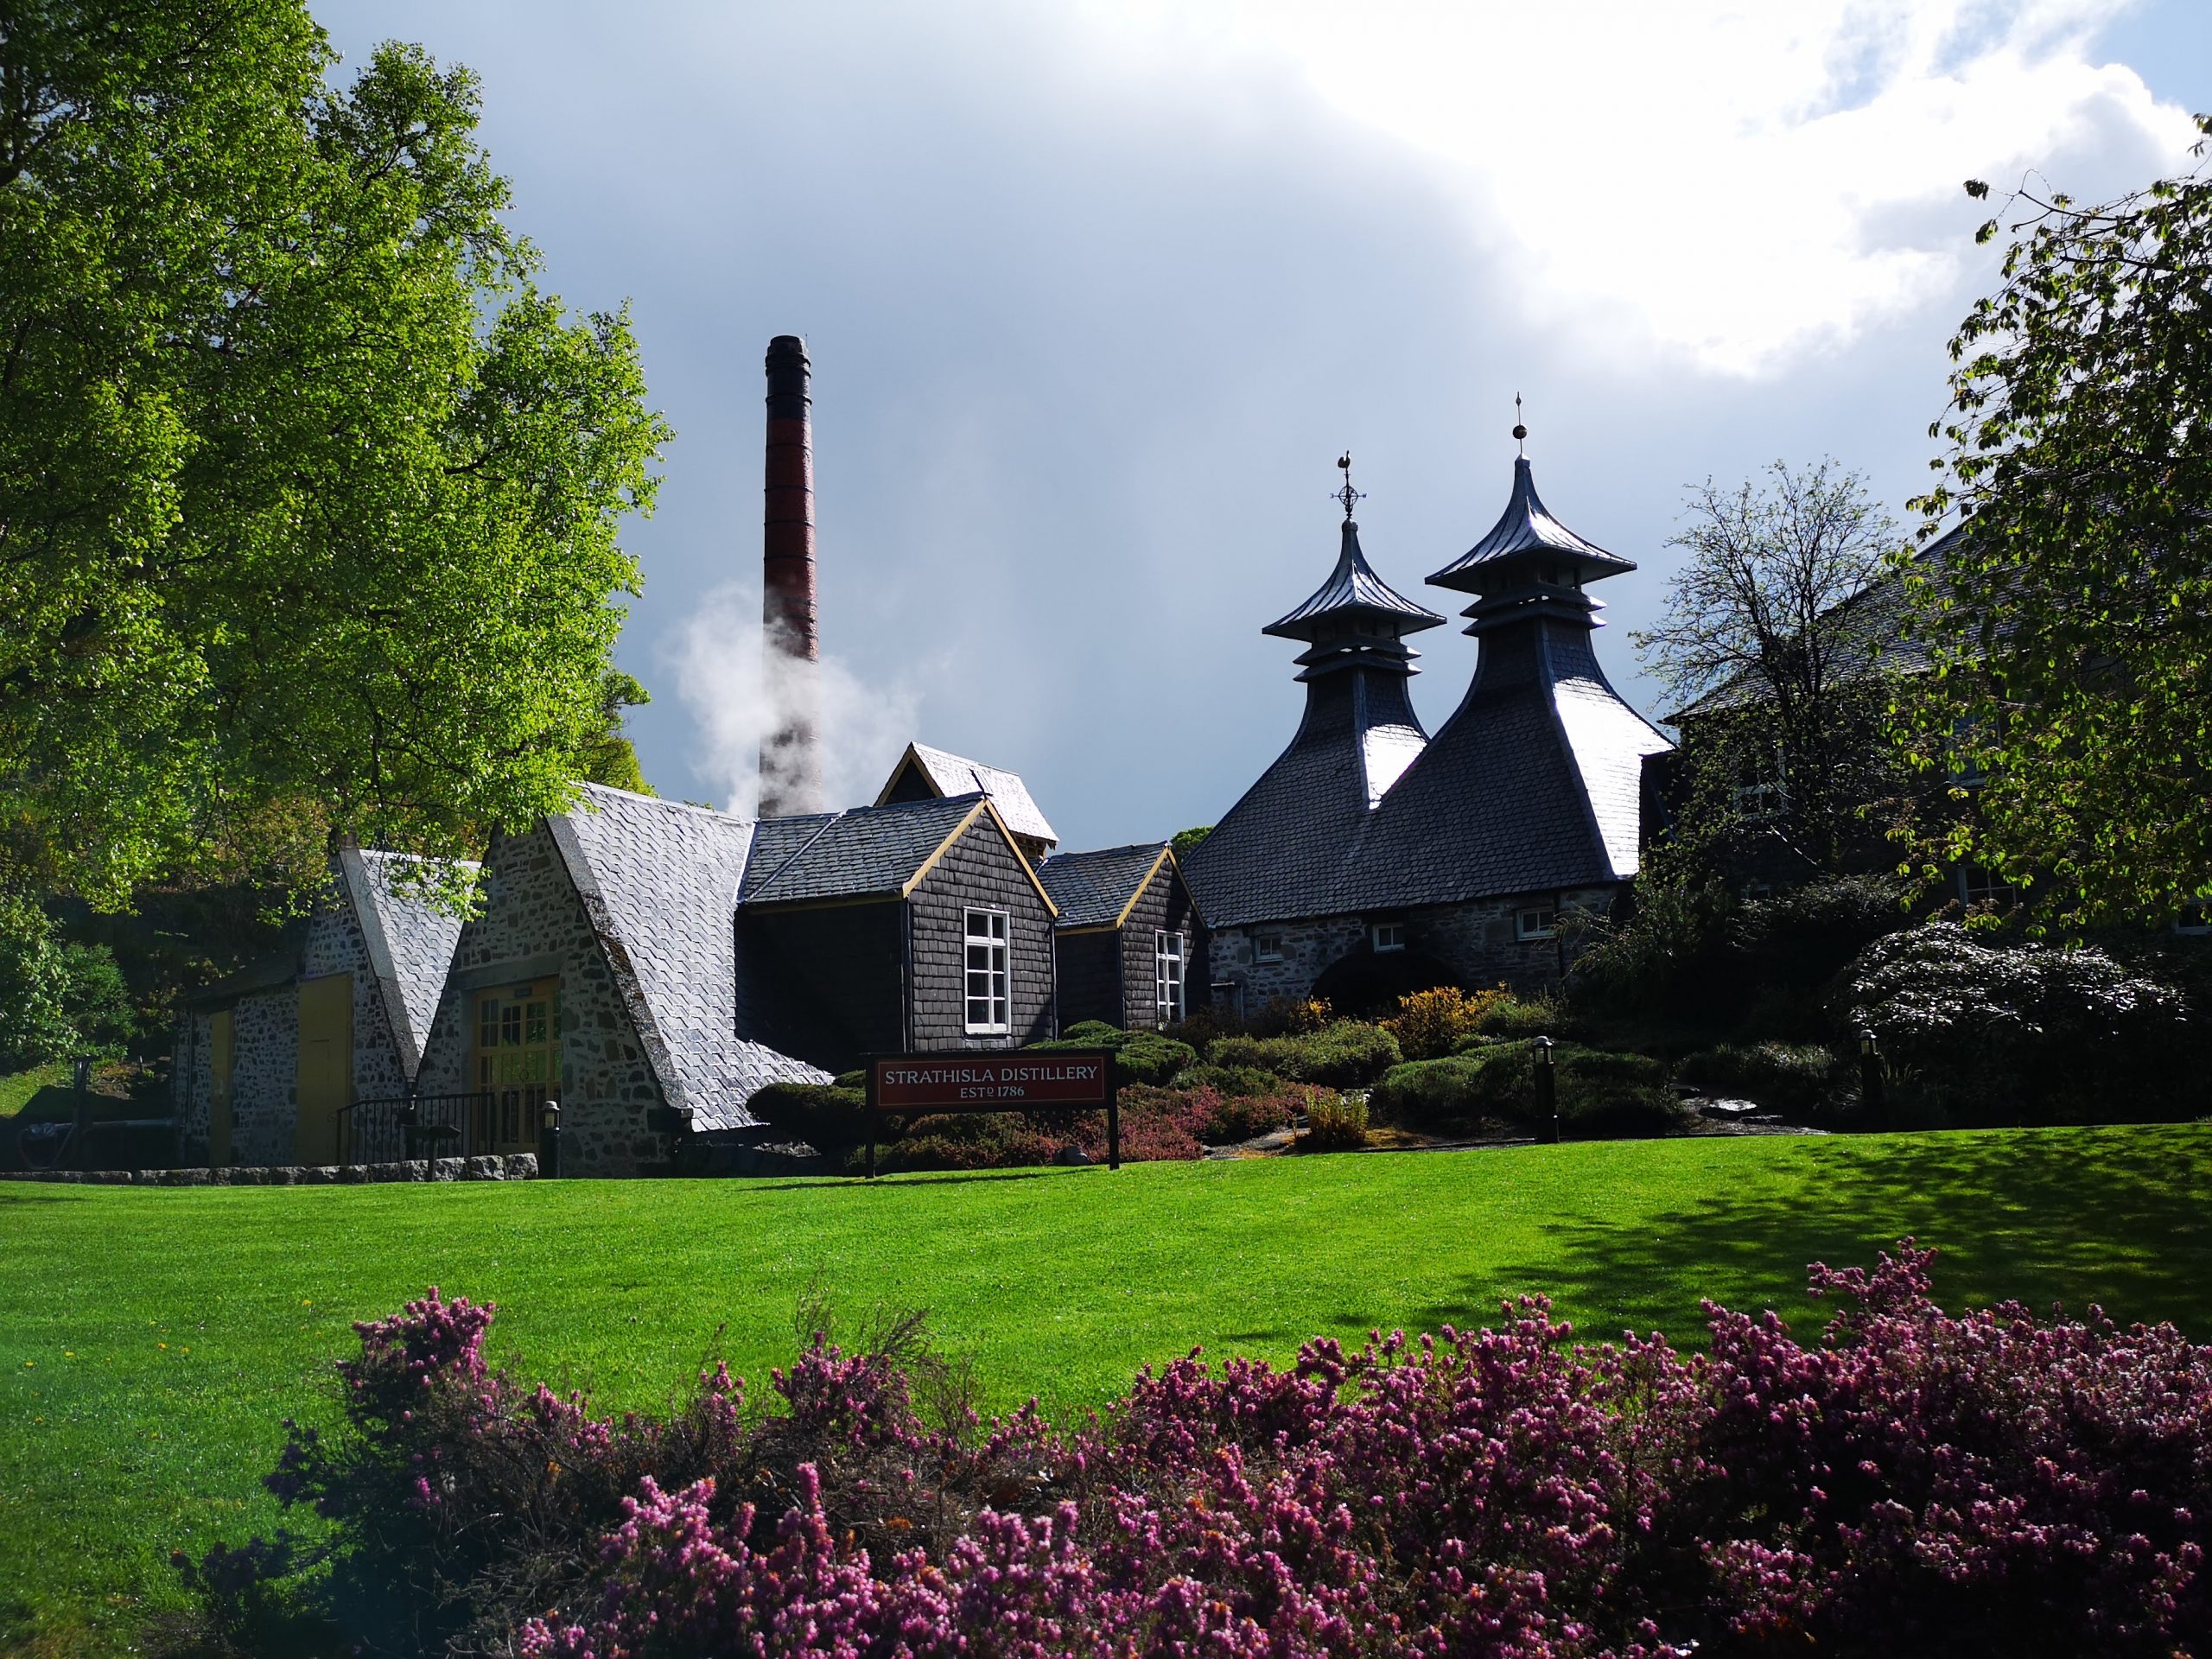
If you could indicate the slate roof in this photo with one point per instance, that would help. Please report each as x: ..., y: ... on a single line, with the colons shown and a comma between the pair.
x: 1351, y: 591
x: 1093, y: 889
x: 952, y: 775
x: 410, y: 940
x: 660, y: 880
x: 867, y: 852
x: 1526, y: 526
x: 1533, y: 786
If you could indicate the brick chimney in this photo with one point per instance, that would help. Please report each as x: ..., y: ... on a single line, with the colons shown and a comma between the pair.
x: 790, y: 763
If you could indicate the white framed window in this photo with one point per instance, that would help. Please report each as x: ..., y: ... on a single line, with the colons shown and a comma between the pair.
x: 990, y: 1002
x: 1388, y: 936
x: 1267, y: 947
x: 1979, y: 885
x: 1754, y: 889
x: 1537, y: 922
x: 2193, y: 918
x: 1167, y: 960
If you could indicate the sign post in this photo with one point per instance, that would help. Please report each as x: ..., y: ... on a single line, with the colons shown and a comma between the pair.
x: 915, y: 1085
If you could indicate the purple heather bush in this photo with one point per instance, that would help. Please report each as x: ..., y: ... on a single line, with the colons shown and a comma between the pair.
x: 1914, y: 1483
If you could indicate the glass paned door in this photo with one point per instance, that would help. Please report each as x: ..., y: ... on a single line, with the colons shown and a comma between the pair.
x: 517, y: 1062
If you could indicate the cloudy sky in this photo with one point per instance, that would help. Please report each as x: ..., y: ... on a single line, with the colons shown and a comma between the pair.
x: 1096, y: 294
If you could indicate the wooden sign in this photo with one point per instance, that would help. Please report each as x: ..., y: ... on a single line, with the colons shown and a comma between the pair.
x: 913, y: 1084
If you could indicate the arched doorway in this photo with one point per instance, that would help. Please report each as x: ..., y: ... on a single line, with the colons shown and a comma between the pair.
x: 1369, y: 981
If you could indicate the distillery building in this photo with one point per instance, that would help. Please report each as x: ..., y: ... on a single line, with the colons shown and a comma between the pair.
x: 1370, y: 859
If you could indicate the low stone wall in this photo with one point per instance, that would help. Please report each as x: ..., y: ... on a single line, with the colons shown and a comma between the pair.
x: 508, y: 1166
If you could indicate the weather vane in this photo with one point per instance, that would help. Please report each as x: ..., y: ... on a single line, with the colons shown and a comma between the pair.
x: 1520, y: 431
x: 1348, y: 495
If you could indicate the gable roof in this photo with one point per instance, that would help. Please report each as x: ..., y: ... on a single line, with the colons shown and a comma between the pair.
x: 950, y: 775
x: 411, y: 940
x: 1095, y: 889
x: 660, y: 881
x: 868, y: 852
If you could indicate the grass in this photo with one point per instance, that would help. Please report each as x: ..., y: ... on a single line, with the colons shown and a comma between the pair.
x: 17, y: 1088
x: 151, y: 1340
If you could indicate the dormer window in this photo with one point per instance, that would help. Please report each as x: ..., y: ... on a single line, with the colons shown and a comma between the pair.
x: 1388, y: 936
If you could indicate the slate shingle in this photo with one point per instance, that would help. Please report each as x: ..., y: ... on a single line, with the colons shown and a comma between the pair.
x: 1092, y: 889
x: 411, y: 940
x: 863, y: 852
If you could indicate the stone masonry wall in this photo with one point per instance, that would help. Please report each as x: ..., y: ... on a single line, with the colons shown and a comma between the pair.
x: 265, y: 1077
x: 1477, y: 940
x: 533, y: 924
x: 335, y: 944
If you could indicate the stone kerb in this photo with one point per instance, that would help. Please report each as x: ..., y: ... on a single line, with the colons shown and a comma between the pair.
x: 507, y: 1167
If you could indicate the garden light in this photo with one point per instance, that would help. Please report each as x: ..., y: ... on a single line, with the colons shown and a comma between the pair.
x: 1546, y: 1091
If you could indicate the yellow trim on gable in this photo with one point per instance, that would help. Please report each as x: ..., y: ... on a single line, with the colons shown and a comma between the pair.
x: 1006, y: 835
x: 1122, y: 920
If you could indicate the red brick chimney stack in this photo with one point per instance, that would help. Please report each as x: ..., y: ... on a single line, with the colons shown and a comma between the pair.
x: 790, y: 767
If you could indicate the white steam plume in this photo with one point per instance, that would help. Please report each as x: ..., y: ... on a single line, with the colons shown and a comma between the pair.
x: 738, y: 692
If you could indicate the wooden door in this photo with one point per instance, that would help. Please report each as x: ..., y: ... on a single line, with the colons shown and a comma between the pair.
x: 326, y: 1076
x: 517, y: 1062
x: 221, y: 1028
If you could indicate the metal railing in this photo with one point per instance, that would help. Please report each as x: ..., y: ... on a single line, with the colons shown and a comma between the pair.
x: 406, y: 1127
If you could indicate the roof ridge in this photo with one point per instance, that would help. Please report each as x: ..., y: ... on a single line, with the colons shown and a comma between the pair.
x: 662, y: 801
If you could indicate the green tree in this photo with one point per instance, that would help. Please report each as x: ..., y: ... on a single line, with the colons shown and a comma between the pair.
x: 308, y: 494
x: 2070, y: 620
x: 58, y: 1001
x: 1769, y: 646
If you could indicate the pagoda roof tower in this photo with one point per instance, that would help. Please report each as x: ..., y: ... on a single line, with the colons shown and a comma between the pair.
x: 1534, y: 784
x: 1288, y: 838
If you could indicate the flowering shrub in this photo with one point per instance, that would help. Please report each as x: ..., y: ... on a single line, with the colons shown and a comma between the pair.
x: 1914, y: 1483
x: 1428, y: 1023
x: 2025, y: 1029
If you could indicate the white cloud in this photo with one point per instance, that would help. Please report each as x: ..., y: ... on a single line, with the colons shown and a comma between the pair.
x: 1733, y: 185
x: 734, y: 696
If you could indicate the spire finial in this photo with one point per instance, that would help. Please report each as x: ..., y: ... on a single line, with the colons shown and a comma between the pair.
x: 1520, y: 431
x: 1347, y: 494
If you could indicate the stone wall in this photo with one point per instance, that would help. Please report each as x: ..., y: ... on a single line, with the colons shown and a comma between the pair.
x: 1477, y: 940
x: 265, y: 1047
x: 533, y: 924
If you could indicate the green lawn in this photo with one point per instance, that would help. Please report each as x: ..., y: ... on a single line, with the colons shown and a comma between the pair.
x: 151, y: 1340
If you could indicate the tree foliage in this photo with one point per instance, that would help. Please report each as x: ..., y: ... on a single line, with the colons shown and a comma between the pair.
x: 1767, y: 645
x: 2071, y: 620
x: 308, y: 494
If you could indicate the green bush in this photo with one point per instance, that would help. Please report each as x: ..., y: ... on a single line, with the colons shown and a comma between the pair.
x: 1142, y: 1057
x: 1514, y: 1017
x: 821, y: 1114
x: 1791, y: 1077
x: 1231, y: 1081
x: 1344, y: 1054
x: 1600, y: 1095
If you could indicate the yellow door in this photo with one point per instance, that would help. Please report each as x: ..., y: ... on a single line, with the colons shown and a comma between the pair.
x: 518, y: 1063
x: 326, y: 1081
x: 219, y: 1090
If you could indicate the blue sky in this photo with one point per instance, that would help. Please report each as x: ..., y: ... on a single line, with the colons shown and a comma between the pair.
x: 1095, y: 295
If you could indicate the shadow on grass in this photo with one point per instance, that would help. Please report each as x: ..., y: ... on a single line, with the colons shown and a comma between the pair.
x: 913, y: 1178
x: 2115, y: 1218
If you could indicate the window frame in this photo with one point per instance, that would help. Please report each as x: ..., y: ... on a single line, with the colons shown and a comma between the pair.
x: 1542, y: 930
x: 1992, y: 891
x: 1262, y: 952
x: 1375, y: 930
x: 998, y: 999
x: 1170, y: 1009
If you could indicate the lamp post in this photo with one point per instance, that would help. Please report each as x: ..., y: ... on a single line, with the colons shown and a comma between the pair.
x: 548, y: 1140
x: 1870, y: 1078
x: 410, y: 1116
x: 1547, y: 1092
x: 80, y: 1112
